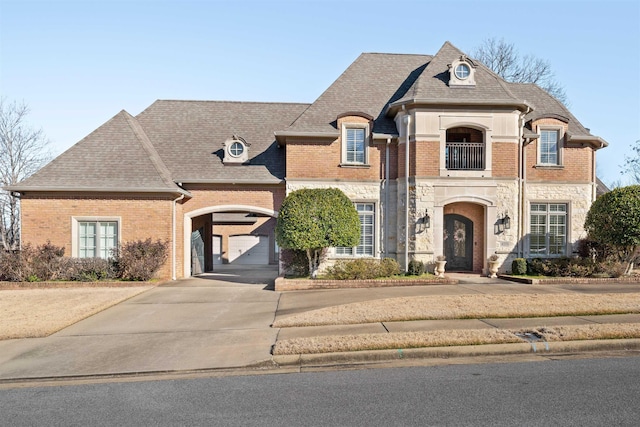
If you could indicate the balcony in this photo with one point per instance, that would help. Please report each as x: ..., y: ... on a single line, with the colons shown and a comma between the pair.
x: 465, y: 156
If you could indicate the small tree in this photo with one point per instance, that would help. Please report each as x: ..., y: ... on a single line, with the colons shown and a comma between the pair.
x: 23, y: 150
x: 614, y: 220
x: 315, y: 219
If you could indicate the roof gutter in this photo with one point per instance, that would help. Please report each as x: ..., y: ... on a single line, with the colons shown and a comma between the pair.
x: 394, y: 107
x: 281, y: 136
x: 595, y: 141
x: 24, y: 189
x: 275, y: 181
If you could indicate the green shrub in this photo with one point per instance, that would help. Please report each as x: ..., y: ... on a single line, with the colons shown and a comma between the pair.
x: 313, y: 219
x: 416, y: 268
x: 389, y: 267
x: 140, y: 260
x: 362, y: 269
x: 565, y: 267
x: 519, y: 266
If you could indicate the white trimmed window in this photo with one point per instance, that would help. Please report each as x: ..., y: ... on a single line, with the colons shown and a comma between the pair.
x: 97, y: 239
x: 354, y: 147
x: 549, y: 152
x: 548, y: 229
x: 366, y: 248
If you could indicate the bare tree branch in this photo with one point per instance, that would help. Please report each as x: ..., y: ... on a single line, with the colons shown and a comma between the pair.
x: 23, y: 151
x: 631, y: 166
x: 502, y: 58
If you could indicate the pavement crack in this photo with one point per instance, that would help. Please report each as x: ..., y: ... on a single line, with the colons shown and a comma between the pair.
x: 486, y: 321
x: 588, y: 320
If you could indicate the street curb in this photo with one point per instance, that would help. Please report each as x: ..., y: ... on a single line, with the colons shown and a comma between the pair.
x: 374, y: 356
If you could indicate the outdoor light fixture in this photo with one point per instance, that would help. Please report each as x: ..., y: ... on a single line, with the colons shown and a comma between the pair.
x: 503, y: 223
x: 423, y: 223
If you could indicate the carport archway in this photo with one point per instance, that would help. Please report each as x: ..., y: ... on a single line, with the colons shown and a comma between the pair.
x: 195, y: 219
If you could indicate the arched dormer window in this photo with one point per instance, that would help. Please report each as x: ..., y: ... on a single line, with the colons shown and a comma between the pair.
x: 462, y: 72
x: 465, y: 149
x: 236, y: 150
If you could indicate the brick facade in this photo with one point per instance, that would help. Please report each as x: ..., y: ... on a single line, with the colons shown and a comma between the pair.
x: 49, y: 218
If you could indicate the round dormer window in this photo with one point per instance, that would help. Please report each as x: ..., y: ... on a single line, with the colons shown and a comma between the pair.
x: 462, y: 71
x: 236, y: 149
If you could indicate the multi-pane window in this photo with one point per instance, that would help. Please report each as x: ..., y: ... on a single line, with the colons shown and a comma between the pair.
x: 355, y: 149
x: 366, y: 212
x: 549, y: 147
x: 97, y: 239
x: 548, y: 234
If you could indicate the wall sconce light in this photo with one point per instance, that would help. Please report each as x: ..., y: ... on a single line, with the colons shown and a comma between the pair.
x: 503, y: 223
x: 423, y: 223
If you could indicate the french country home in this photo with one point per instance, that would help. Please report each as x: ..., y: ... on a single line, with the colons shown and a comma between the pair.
x: 439, y: 155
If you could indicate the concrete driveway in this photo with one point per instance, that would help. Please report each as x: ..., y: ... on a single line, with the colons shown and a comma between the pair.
x: 217, y: 320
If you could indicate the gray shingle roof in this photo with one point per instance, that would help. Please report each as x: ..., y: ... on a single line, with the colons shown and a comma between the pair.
x: 433, y: 83
x: 181, y: 141
x: 117, y: 156
x: 188, y: 136
x: 368, y: 85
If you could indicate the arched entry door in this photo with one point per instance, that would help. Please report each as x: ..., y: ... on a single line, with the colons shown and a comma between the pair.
x: 458, y: 242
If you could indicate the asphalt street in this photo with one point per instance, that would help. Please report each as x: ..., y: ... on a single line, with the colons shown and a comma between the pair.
x: 591, y: 392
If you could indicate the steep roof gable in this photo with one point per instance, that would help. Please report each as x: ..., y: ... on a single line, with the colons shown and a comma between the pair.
x: 433, y: 84
x: 370, y: 83
x: 117, y: 156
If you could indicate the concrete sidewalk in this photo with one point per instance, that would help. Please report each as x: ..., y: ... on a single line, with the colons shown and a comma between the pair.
x: 223, y: 320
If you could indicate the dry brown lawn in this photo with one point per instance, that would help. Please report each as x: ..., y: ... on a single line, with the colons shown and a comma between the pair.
x: 466, y: 307
x: 405, y: 340
x: 459, y: 307
x: 30, y: 313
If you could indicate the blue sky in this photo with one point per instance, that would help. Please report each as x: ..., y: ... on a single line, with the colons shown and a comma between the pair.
x: 78, y: 63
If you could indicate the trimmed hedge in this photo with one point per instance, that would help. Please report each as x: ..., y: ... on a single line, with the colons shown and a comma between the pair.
x: 362, y: 269
x: 573, y: 267
x: 416, y: 268
x: 519, y: 266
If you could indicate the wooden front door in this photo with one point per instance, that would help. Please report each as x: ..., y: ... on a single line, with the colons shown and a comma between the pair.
x: 458, y: 242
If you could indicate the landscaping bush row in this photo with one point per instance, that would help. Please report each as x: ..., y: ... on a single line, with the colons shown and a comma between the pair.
x: 136, y: 261
x: 362, y: 269
x: 567, y: 267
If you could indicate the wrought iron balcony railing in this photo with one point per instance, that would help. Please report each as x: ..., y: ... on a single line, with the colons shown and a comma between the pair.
x: 465, y: 156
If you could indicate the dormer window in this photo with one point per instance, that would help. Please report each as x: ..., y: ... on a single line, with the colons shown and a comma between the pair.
x: 462, y: 73
x: 236, y: 150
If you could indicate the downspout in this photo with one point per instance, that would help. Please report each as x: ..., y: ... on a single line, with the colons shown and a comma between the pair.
x: 386, y: 200
x: 407, y: 120
x: 521, y: 181
x: 173, y: 237
x: 594, y: 184
x: 520, y: 172
x: 18, y: 196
